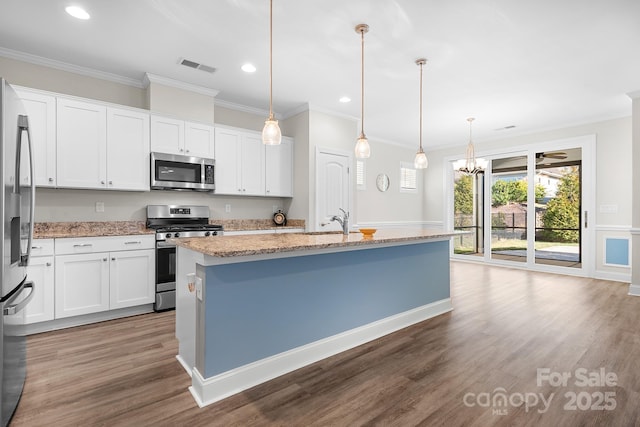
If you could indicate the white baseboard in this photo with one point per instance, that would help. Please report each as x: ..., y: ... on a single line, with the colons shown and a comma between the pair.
x: 210, y: 390
x: 613, y: 276
x: 634, y: 290
x: 86, y: 319
x: 184, y: 364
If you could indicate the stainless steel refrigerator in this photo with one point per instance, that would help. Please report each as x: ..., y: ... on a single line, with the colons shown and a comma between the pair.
x: 17, y: 200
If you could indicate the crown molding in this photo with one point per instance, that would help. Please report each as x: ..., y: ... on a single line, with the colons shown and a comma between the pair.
x: 245, y: 108
x: 310, y: 107
x: 166, y: 81
x: 71, y: 68
x: 634, y: 94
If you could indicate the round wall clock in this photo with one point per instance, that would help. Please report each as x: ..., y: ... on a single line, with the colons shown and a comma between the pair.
x: 382, y: 182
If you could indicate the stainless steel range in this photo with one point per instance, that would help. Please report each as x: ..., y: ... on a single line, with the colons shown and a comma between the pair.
x: 172, y: 221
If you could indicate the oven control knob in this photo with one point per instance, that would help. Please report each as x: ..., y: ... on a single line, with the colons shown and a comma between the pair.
x: 207, y: 234
x: 176, y: 235
x: 168, y: 235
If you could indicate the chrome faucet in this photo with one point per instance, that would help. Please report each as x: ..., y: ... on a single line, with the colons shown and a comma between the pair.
x: 342, y: 220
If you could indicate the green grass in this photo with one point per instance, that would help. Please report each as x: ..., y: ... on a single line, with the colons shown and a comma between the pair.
x: 511, y: 244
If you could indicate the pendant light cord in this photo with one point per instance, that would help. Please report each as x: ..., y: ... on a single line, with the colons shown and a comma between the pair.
x: 270, y: 59
x: 362, y: 81
x: 421, y: 106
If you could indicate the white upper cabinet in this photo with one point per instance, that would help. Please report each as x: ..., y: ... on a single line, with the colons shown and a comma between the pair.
x: 41, y: 109
x: 199, y: 140
x: 167, y: 135
x: 127, y: 149
x: 102, y: 147
x: 227, y: 173
x: 175, y: 136
x: 252, y: 165
x: 279, y: 169
x: 82, y: 144
x: 239, y: 162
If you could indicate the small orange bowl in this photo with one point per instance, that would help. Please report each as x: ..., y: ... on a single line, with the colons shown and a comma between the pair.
x: 367, y: 232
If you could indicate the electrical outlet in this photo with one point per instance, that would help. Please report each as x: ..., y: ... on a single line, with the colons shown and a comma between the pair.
x: 99, y: 206
x: 198, y: 283
x: 227, y: 208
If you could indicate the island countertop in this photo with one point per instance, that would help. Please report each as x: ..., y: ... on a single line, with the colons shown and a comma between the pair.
x: 234, y: 246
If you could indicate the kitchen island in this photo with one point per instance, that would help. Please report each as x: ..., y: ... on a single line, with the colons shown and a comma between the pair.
x: 251, y: 308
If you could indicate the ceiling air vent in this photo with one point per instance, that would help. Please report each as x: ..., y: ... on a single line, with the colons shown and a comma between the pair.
x: 196, y: 65
x: 506, y: 127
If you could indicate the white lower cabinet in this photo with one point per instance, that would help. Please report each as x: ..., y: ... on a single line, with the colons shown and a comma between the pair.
x: 131, y: 278
x: 41, y: 273
x: 103, y: 273
x: 82, y: 284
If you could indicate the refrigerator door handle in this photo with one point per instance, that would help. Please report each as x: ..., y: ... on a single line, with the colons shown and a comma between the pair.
x: 16, y: 308
x: 23, y: 125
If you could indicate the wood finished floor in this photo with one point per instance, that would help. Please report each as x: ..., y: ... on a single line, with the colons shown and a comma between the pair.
x: 505, y: 324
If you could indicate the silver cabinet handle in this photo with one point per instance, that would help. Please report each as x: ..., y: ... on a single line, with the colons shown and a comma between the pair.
x: 113, y: 258
x: 110, y: 182
x: 82, y: 245
x: 186, y: 151
x: 104, y: 259
x: 36, y: 247
x: 586, y: 219
x: 48, y: 264
x: 102, y: 182
x: 50, y: 179
x: 133, y: 243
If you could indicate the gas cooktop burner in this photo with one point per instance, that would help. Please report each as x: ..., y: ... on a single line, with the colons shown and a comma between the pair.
x: 181, y: 221
x: 186, y: 227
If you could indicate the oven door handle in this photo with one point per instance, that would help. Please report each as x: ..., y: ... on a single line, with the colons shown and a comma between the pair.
x: 160, y: 244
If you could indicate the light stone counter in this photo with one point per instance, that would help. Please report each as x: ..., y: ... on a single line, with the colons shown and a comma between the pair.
x: 234, y: 246
x: 52, y: 230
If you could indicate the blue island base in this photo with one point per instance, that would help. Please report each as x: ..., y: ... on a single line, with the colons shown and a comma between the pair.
x: 260, y: 319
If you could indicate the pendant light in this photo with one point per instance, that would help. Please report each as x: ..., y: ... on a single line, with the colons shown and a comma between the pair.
x: 271, y: 134
x: 421, y: 161
x: 471, y: 165
x: 362, y: 145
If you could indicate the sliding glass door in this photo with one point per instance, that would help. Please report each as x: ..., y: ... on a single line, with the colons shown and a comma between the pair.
x: 558, y: 233
x: 528, y: 207
x: 508, y: 207
x: 469, y: 213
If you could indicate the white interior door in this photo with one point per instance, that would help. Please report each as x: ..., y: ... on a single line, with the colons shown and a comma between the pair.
x: 332, y: 187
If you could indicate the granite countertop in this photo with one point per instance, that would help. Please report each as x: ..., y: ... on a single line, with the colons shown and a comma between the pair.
x: 256, y: 224
x: 231, y: 246
x: 51, y: 230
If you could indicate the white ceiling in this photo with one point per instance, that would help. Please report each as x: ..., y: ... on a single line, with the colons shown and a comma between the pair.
x: 536, y: 65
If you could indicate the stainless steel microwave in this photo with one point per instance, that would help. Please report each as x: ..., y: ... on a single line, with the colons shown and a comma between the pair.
x: 174, y: 172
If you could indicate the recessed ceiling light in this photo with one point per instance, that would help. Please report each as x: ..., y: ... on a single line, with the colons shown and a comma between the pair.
x: 77, y: 12
x: 345, y: 99
x: 248, y: 68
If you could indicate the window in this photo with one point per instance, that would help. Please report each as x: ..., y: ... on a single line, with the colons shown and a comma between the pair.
x: 360, y: 175
x: 408, y: 178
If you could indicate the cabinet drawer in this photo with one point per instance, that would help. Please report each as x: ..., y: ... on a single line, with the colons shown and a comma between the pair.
x: 83, y: 245
x: 42, y: 247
